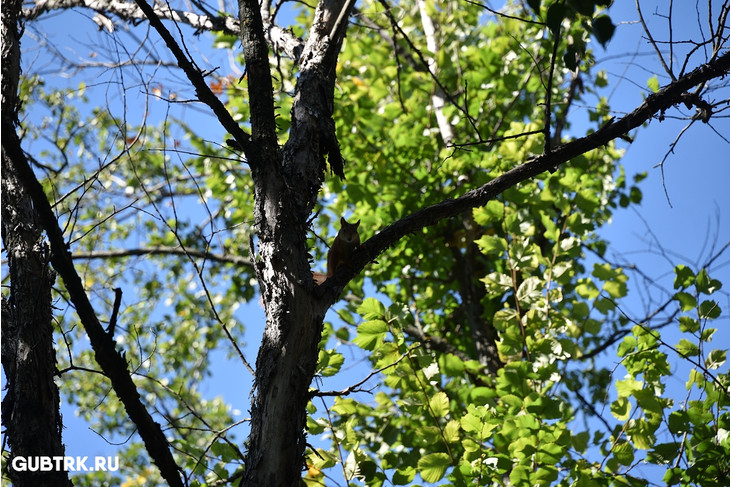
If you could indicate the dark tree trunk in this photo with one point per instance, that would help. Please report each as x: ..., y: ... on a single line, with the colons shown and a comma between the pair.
x: 30, y: 410
x: 287, y: 181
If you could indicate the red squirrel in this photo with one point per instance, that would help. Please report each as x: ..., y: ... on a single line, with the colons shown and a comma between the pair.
x: 345, y: 243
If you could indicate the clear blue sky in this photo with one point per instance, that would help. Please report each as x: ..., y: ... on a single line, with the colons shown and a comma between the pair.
x: 696, y: 176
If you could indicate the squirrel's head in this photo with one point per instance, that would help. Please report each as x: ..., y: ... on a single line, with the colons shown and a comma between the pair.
x: 348, y: 231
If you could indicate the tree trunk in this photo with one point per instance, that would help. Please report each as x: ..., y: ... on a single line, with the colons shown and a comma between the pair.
x: 287, y: 180
x: 30, y: 410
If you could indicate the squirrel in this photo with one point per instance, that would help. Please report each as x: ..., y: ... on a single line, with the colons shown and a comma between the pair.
x: 345, y: 243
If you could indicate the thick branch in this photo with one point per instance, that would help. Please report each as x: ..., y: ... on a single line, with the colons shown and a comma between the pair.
x: 286, y: 183
x: 670, y: 95
x: 112, y: 363
x: 313, y: 105
x: 261, y: 92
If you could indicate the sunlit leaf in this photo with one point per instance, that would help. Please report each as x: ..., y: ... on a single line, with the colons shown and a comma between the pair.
x: 433, y: 466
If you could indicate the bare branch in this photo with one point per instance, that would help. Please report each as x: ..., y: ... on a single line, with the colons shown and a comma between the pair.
x: 497, y: 13
x: 653, y: 42
x: 164, y: 250
x: 111, y: 361
x: 205, y: 94
x: 282, y: 40
x: 356, y: 387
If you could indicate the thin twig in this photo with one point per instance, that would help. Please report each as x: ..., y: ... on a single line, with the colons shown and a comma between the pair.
x: 355, y: 387
x: 653, y: 43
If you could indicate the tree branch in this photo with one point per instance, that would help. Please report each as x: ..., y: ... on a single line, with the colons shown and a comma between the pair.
x: 112, y: 362
x: 281, y: 40
x: 356, y: 387
x: 164, y: 250
x: 653, y: 104
x: 205, y: 94
x: 261, y: 92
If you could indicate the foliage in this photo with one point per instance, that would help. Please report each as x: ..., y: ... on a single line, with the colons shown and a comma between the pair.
x: 513, y: 273
x: 438, y: 413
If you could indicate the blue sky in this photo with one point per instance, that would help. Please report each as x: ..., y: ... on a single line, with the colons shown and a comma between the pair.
x: 696, y: 178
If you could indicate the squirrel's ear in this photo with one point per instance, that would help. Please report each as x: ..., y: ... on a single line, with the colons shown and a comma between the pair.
x: 342, y: 220
x: 357, y: 223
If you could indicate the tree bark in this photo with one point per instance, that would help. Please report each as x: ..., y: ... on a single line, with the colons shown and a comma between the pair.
x: 32, y: 401
x: 287, y: 181
x: 30, y: 410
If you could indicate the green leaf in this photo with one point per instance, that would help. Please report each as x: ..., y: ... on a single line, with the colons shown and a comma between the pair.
x: 616, y: 289
x: 686, y: 301
x: 627, y: 345
x: 709, y: 309
x: 555, y: 15
x: 404, y: 475
x: 678, y: 422
x: 623, y: 452
x: 653, y: 84
x: 344, y: 406
x: 530, y: 290
x: 490, y: 244
x: 580, y: 441
x: 451, y: 365
x: 603, y: 29
x: 583, y: 7
x: 370, y: 334
x: 535, y: 6
x: 545, y: 475
x: 329, y: 363
x: 705, y: 284
x: 481, y: 395
x: 621, y: 409
x: 707, y: 334
x: 471, y: 423
x: 641, y: 434
x: 497, y: 283
x: 688, y: 325
x: 572, y: 57
x: 627, y: 387
x: 663, y: 453
x: 715, y: 359
x: 371, y: 308
x: 604, y: 305
x: 519, y: 476
x: 433, y: 466
x: 684, y: 277
x: 451, y: 431
x: 687, y: 348
x: 439, y: 404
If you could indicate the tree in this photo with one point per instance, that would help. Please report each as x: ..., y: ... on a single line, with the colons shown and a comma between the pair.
x: 446, y: 130
x: 27, y: 348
